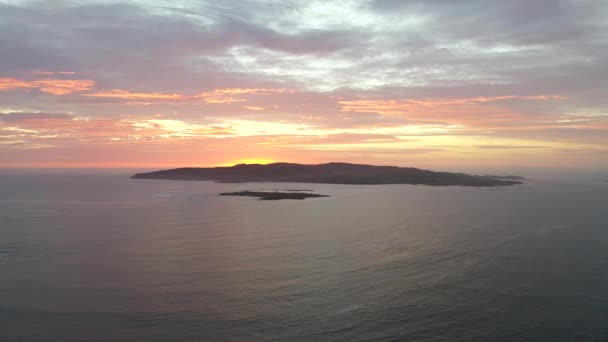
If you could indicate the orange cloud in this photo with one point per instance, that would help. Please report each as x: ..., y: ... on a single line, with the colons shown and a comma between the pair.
x: 473, y: 111
x: 229, y: 95
x: 125, y: 94
x: 254, y: 108
x: 57, y: 128
x: 237, y: 91
x: 38, y: 138
x: 51, y: 86
x: 219, y: 96
x: 63, y: 87
x: 399, y: 107
x: 13, y: 83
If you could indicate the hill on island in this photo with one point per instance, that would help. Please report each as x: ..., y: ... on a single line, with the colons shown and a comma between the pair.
x: 329, y: 173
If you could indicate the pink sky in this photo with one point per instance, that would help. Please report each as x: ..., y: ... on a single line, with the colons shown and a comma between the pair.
x: 429, y: 84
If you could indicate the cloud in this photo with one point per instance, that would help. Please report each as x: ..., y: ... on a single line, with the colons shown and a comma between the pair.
x: 476, y: 111
x: 49, y: 85
x: 335, y: 139
x: 517, y: 21
x: 125, y: 94
x: 51, y: 73
x: 15, y: 117
x: 284, y: 77
x: 507, y: 147
x: 217, y: 96
x: 357, y: 105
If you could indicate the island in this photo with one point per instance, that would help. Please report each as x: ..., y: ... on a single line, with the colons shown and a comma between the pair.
x: 508, y: 177
x: 274, y: 195
x: 329, y: 173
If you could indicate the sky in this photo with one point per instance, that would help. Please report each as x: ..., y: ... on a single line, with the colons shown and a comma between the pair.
x: 437, y: 83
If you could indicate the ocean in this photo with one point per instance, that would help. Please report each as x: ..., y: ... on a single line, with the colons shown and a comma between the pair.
x: 96, y: 256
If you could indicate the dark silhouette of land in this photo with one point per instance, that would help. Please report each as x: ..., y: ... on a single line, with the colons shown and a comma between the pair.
x: 330, y: 173
x: 509, y: 177
x: 266, y: 195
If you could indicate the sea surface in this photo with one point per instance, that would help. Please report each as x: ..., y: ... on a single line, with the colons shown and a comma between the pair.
x: 101, y: 257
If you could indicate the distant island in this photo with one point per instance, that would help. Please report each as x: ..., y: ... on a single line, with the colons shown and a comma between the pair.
x: 273, y: 195
x: 329, y: 173
x: 509, y: 177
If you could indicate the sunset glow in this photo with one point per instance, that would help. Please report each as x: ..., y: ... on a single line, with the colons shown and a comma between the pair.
x: 156, y: 85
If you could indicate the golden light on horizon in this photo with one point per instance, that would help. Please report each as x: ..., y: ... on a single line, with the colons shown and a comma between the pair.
x: 292, y: 86
x: 250, y: 161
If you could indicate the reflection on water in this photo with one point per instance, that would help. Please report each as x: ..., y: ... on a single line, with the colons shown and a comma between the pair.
x: 105, y: 258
